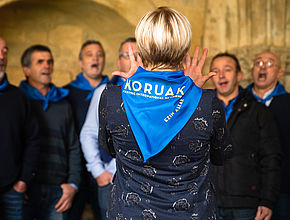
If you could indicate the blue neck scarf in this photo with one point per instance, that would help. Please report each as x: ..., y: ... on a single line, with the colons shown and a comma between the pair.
x: 229, y: 108
x: 55, y: 94
x: 119, y: 81
x: 5, y: 83
x: 82, y: 83
x: 158, y: 104
x: 278, y: 90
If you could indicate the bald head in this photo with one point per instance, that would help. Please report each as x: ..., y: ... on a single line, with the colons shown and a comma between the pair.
x: 3, y: 57
x: 269, y: 55
x: 266, y: 71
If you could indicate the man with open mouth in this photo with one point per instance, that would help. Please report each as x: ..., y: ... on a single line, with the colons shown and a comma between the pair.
x: 85, y: 101
x: 87, y: 85
x: 267, y: 89
x: 247, y: 185
x: 58, y: 176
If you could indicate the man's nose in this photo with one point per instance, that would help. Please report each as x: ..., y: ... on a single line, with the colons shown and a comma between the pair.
x: 221, y: 74
x: 263, y: 66
x: 96, y: 57
x: 47, y: 65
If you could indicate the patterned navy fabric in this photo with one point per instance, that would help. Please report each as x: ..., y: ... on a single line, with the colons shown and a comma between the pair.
x: 174, y: 184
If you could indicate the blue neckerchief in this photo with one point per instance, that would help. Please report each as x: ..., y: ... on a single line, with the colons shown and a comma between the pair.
x: 117, y: 80
x: 82, y: 83
x: 279, y: 90
x: 4, y: 84
x: 229, y: 108
x: 55, y: 94
x: 158, y: 104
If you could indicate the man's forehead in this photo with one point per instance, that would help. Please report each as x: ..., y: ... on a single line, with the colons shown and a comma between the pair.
x: 93, y: 47
x: 225, y: 60
x: 125, y: 47
x: 36, y: 55
x: 266, y: 55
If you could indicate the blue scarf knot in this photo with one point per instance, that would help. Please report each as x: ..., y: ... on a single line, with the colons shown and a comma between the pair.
x: 4, y: 84
x: 278, y: 90
x: 82, y: 83
x: 55, y: 94
x: 158, y: 104
x: 117, y: 80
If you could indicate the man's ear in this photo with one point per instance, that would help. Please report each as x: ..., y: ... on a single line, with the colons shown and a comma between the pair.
x: 240, y: 76
x: 118, y: 64
x: 26, y: 71
x: 80, y: 63
x: 280, y: 73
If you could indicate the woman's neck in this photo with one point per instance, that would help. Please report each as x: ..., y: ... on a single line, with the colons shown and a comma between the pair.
x: 160, y: 69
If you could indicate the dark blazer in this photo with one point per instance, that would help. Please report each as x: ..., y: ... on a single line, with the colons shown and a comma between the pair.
x: 280, y: 107
x: 252, y: 176
x: 19, y: 148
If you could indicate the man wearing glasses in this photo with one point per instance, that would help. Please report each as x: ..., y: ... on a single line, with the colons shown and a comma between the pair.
x: 247, y: 185
x: 123, y: 61
x: 266, y: 72
x: 101, y: 165
x: 90, y: 79
x: 267, y: 89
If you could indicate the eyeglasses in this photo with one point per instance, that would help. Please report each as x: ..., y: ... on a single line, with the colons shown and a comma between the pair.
x: 260, y: 63
x: 126, y: 55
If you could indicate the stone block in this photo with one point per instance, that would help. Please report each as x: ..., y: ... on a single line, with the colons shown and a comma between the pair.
x: 66, y: 36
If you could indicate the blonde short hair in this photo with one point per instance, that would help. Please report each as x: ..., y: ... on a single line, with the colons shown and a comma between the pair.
x: 163, y: 38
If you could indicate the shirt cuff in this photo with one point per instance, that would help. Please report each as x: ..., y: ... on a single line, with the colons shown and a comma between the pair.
x: 74, y: 186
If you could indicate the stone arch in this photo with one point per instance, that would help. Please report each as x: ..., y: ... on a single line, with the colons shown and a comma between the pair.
x: 63, y: 26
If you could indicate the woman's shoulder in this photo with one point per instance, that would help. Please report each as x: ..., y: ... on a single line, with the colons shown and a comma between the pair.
x: 110, y: 88
x: 209, y: 93
x: 112, y: 93
x: 208, y: 96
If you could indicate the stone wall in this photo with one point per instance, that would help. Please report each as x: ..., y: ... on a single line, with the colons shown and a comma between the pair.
x: 64, y: 25
x: 243, y: 27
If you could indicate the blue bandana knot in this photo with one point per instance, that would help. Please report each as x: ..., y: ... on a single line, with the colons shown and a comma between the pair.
x: 82, y: 83
x: 55, y: 94
x: 278, y: 90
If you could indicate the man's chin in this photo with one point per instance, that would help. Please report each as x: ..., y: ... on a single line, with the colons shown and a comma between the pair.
x: 96, y: 76
x: 260, y: 85
x: 223, y: 91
